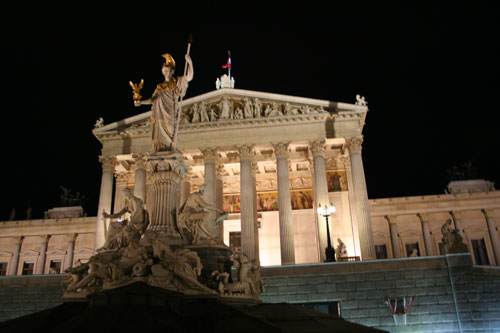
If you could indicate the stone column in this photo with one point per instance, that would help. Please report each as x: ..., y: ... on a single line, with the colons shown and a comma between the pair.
x: 287, y: 246
x: 40, y: 267
x: 219, y: 197
x: 352, y: 205
x: 361, y: 199
x: 320, y: 193
x: 247, y: 202
x: 210, y: 156
x: 456, y: 215
x: 105, y: 196
x: 68, y: 262
x: 495, y: 239
x: 393, y: 228
x: 14, y: 263
x: 429, y: 248
x: 255, y: 169
x: 167, y: 170
x: 140, y: 176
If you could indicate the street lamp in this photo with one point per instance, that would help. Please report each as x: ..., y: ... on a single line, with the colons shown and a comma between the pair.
x: 326, y: 211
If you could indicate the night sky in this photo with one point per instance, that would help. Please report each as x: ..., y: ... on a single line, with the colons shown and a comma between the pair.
x: 429, y: 74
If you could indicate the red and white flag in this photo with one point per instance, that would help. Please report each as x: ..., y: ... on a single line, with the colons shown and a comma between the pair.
x: 228, y: 64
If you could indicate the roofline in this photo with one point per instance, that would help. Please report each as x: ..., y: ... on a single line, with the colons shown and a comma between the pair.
x: 339, y: 106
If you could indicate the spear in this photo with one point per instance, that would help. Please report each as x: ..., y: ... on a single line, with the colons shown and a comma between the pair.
x: 179, y: 110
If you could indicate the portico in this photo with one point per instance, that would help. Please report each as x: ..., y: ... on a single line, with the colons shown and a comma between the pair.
x: 245, y: 160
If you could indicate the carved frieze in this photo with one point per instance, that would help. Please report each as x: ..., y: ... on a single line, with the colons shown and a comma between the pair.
x: 234, y: 108
x: 301, y: 183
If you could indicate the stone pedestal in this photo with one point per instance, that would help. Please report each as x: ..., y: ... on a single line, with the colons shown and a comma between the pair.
x: 213, y: 258
x: 167, y: 170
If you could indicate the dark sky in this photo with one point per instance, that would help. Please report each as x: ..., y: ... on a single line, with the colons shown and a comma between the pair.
x: 429, y: 74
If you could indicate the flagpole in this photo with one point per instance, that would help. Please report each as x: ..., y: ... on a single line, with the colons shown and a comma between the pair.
x: 229, y: 67
x: 179, y: 105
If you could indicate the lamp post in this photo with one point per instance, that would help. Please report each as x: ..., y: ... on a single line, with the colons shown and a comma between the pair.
x: 326, y: 211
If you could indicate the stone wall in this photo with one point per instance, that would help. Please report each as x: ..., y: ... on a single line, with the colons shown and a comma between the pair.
x: 361, y: 288
x: 22, y: 295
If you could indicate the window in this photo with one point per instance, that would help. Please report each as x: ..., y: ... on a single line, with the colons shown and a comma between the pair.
x: 331, y: 308
x: 235, y: 241
x: 28, y: 268
x: 55, y: 267
x: 479, y: 250
x: 3, y: 268
x: 412, y: 250
x: 381, y: 251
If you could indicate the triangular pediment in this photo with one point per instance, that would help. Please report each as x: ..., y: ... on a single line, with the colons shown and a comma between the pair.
x: 235, y: 107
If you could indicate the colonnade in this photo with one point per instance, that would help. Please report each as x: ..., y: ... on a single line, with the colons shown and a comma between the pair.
x: 456, y: 217
x: 13, y: 267
x: 249, y: 230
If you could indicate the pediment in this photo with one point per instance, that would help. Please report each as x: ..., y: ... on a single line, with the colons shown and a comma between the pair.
x: 234, y: 107
x: 56, y: 252
x: 31, y: 253
x: 84, y: 251
x: 4, y: 254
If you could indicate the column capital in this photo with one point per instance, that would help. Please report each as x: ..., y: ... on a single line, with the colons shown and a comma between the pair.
x: 456, y: 214
x: 246, y: 152
x: 354, y: 144
x: 423, y: 217
x: 45, y: 238
x: 122, y: 177
x: 280, y: 149
x: 140, y: 160
x: 18, y: 239
x: 210, y: 154
x: 487, y: 212
x: 108, y: 162
x: 391, y: 219
x: 72, y: 237
x: 317, y: 147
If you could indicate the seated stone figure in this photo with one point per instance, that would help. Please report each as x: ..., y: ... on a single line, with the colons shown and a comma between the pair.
x: 139, y: 220
x: 194, y: 215
x: 112, y: 268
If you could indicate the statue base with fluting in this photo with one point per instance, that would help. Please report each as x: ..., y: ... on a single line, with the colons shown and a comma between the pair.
x: 167, y: 170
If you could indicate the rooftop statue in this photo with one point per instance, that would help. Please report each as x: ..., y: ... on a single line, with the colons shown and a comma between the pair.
x: 165, y: 103
x: 360, y: 100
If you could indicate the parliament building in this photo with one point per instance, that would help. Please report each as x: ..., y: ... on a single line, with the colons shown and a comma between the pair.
x: 269, y: 161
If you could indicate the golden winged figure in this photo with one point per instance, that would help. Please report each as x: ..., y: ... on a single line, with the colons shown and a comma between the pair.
x: 136, y: 90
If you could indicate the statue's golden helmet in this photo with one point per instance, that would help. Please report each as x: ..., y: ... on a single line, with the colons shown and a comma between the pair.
x: 169, y: 61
